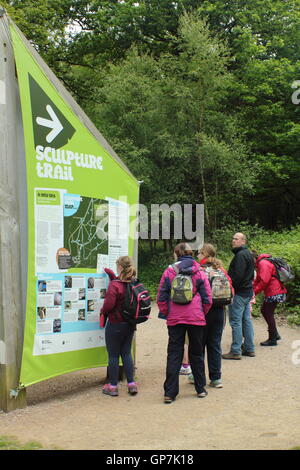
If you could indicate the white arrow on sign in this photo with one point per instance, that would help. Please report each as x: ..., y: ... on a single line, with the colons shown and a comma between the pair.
x: 54, y: 124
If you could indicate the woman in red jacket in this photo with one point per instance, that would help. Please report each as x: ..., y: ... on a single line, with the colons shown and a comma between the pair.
x: 267, y: 282
x: 118, y: 333
x: 215, y: 319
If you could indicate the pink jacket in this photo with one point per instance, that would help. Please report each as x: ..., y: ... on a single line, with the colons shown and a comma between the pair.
x: 194, y: 312
x: 266, y: 280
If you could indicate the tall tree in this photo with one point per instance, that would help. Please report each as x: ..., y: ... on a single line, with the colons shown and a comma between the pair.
x: 165, y: 117
x: 264, y: 39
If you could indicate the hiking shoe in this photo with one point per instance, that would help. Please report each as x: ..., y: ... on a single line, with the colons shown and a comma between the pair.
x: 185, y: 370
x: 231, y: 356
x: 269, y: 342
x: 202, y: 394
x: 248, y: 353
x: 168, y: 400
x: 132, y: 388
x: 111, y: 390
x: 191, y: 379
x: 216, y: 383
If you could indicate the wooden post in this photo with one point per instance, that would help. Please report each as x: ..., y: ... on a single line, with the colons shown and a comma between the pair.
x: 11, y: 288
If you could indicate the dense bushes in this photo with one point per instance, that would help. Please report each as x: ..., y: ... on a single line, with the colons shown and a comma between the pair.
x: 284, y: 244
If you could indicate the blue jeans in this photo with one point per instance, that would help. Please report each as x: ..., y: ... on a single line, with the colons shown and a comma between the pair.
x: 118, y: 339
x: 241, y: 324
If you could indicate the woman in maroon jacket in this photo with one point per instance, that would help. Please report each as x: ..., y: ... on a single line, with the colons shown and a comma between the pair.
x: 267, y: 281
x: 118, y: 333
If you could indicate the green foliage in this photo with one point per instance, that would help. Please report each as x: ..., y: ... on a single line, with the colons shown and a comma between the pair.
x: 194, y: 96
x: 151, y: 267
x: 11, y: 443
x: 284, y: 244
x: 294, y: 316
x: 263, y: 39
x: 163, y: 117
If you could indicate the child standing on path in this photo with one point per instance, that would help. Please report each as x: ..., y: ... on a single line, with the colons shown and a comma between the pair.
x: 215, y: 319
x: 184, y: 318
x: 118, y: 333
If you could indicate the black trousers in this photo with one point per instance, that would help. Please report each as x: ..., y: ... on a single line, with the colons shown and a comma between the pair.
x: 175, y: 353
x: 215, y: 322
x: 268, y: 310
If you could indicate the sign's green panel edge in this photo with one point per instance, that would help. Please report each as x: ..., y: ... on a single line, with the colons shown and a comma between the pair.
x: 89, y: 358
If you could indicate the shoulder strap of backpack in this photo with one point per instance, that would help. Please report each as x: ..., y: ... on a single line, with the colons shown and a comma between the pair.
x: 175, y: 267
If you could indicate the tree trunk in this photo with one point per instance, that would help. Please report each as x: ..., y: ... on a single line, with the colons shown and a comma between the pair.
x: 204, y: 190
x: 200, y: 157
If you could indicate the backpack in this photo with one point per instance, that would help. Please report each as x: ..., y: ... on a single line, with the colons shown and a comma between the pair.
x: 220, y: 286
x: 181, y: 288
x: 137, y: 303
x: 284, y: 272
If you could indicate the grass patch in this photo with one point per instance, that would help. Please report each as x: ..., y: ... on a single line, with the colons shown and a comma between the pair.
x: 11, y: 443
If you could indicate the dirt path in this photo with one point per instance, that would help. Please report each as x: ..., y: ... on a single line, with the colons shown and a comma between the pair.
x: 258, y: 408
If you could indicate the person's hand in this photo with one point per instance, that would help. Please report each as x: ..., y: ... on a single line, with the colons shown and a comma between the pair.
x: 103, y: 319
x: 161, y: 315
x: 110, y: 273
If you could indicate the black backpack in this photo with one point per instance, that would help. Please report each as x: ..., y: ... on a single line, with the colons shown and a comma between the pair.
x: 137, y: 303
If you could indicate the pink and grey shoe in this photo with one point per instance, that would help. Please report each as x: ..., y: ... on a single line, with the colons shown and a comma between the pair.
x: 111, y: 390
x: 132, y: 388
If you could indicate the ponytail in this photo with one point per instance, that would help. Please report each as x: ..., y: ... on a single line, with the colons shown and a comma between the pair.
x: 209, y: 252
x: 128, y: 268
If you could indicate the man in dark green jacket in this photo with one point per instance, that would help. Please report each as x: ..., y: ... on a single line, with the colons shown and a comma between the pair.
x: 241, y: 271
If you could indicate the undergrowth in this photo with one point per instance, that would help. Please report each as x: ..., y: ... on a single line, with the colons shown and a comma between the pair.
x: 285, y: 244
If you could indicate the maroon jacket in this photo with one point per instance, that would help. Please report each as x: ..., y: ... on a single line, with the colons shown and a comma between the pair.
x: 114, y: 299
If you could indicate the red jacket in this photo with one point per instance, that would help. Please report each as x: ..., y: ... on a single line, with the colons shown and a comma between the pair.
x: 266, y: 280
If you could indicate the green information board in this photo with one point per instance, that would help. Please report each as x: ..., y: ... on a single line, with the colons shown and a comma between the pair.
x: 79, y: 221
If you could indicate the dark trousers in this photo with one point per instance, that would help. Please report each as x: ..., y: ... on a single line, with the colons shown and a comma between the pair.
x: 215, y: 322
x: 175, y: 354
x: 268, y: 310
x: 118, y: 339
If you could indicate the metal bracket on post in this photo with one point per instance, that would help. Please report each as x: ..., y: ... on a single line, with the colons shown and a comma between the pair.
x: 13, y: 393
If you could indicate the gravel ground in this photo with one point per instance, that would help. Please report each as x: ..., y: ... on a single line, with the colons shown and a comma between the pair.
x: 258, y: 408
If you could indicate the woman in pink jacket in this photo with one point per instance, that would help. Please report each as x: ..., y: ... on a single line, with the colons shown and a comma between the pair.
x: 266, y: 281
x: 184, y: 318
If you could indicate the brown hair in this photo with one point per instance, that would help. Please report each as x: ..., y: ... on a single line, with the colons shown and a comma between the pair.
x: 128, y: 268
x: 183, y: 249
x: 209, y: 252
x: 255, y: 255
